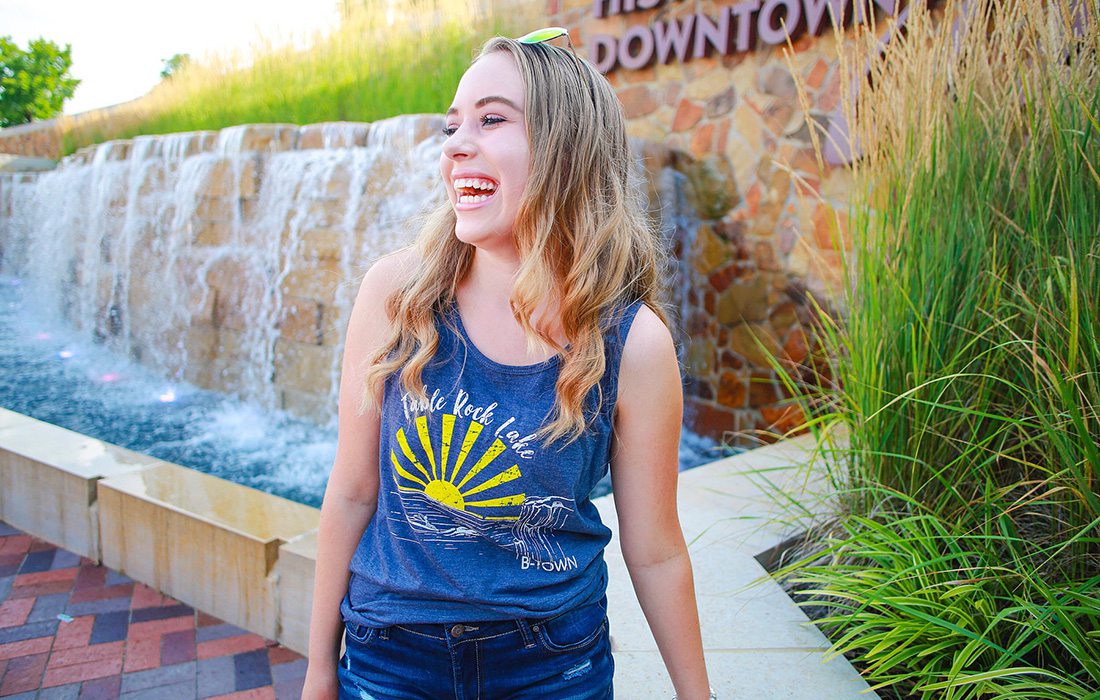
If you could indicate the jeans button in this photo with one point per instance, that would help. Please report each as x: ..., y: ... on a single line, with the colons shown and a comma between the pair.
x: 457, y: 630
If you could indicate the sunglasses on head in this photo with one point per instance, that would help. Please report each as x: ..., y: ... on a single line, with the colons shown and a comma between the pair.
x: 540, y: 36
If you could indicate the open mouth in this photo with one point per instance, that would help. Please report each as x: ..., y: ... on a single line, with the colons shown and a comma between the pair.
x: 471, y: 190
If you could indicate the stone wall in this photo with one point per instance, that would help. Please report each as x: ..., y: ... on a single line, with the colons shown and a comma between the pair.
x: 769, y: 213
x: 39, y: 139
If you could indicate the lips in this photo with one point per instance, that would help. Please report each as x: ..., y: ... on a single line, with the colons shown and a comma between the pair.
x: 473, y: 190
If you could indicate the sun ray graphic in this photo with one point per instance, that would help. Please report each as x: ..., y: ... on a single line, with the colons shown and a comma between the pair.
x: 447, y: 488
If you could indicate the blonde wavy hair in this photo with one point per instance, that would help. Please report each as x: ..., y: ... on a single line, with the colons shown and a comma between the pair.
x: 581, y: 233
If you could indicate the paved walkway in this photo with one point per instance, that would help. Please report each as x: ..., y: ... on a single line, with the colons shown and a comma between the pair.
x: 72, y: 629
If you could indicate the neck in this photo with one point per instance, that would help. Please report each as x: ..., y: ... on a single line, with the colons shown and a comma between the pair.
x: 492, y: 275
x: 491, y: 279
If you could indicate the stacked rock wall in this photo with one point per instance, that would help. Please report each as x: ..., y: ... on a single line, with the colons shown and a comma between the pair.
x: 770, y: 215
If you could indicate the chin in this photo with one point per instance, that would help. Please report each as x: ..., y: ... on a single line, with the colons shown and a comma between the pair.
x: 478, y: 236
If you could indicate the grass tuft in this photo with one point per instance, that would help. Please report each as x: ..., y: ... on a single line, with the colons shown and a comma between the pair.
x: 964, y: 558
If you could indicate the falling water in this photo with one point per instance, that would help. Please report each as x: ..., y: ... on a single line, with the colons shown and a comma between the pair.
x: 186, y: 251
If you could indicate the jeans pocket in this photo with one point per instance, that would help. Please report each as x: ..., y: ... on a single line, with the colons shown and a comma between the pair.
x: 360, y: 633
x: 574, y: 630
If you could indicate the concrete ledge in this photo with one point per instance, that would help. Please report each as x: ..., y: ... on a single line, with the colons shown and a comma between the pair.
x: 203, y: 540
x: 294, y: 570
x: 48, y: 480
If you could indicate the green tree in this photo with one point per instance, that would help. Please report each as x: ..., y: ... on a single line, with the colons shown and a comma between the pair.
x: 35, y: 83
x: 174, y: 65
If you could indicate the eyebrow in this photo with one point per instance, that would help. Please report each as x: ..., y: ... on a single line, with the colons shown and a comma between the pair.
x: 486, y: 100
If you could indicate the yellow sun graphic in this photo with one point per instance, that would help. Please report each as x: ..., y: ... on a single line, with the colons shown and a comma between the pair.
x: 442, y: 483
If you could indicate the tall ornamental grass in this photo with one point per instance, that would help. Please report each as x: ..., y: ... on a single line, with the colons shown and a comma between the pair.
x: 385, y: 59
x: 964, y: 561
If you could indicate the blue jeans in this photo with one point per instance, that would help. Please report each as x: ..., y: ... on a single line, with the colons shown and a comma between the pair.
x: 566, y: 657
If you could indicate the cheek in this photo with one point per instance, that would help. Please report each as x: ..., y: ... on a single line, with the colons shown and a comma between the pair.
x: 445, y: 175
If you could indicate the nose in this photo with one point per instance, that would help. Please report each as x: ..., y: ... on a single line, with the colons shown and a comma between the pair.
x: 459, y: 144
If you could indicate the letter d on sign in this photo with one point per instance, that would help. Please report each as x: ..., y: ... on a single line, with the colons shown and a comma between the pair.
x: 602, y: 52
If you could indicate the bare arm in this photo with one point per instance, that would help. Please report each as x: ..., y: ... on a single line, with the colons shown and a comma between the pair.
x: 644, y: 470
x: 352, y: 492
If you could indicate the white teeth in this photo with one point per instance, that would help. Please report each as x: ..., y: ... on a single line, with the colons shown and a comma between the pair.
x: 471, y: 198
x: 475, y: 183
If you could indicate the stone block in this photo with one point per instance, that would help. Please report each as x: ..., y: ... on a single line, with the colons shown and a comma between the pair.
x: 48, y: 480
x: 205, y: 541
x: 815, y: 76
x: 796, y: 349
x: 227, y: 374
x: 333, y: 325
x: 782, y: 419
x: 708, y: 251
x: 762, y: 389
x: 323, y: 244
x: 776, y: 80
x: 700, y: 358
x: 712, y: 82
x: 213, y: 233
x: 200, y: 343
x: 310, y: 406
x: 783, y: 316
x: 113, y: 151
x: 830, y: 228
x: 688, y: 114
x: 152, y: 179
x: 638, y: 101
x: 403, y: 132
x: 743, y: 301
x: 303, y: 367
x: 300, y: 320
x: 702, y: 140
x: 731, y: 389
x: 720, y: 105
x: 232, y: 176
x: 710, y: 420
x: 333, y: 135
x: 324, y: 212
x: 232, y: 343
x: 216, y: 208
x: 319, y: 283
x: 713, y: 187
x: 743, y: 341
x: 257, y: 137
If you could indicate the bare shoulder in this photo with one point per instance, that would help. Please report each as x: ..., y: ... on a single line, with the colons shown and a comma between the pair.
x: 649, y: 370
x: 369, y: 321
x: 392, y: 270
x: 648, y: 343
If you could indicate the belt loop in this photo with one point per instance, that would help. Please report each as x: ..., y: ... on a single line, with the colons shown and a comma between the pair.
x: 525, y: 632
x: 384, y: 633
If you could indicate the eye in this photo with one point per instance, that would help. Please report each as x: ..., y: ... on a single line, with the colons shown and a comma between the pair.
x: 487, y: 120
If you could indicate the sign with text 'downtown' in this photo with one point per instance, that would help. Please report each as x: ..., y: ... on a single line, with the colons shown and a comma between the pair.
x: 732, y: 29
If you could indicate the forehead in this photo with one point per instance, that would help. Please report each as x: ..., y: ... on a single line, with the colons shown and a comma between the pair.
x: 493, y: 74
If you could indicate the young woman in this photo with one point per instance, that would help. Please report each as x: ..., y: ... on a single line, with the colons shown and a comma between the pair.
x: 492, y: 374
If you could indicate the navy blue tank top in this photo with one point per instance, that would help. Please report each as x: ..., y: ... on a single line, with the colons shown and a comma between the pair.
x: 476, y: 520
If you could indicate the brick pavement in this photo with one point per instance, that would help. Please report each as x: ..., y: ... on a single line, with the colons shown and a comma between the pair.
x: 74, y: 630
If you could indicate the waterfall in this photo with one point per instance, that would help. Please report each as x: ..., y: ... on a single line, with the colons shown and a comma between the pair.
x: 228, y: 259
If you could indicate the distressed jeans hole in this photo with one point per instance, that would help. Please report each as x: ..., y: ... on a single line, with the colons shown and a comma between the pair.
x: 577, y: 671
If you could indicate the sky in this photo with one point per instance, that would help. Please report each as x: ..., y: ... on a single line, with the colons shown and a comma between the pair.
x: 118, y: 46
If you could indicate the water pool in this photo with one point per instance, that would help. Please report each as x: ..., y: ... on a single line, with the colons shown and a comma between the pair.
x: 47, y: 374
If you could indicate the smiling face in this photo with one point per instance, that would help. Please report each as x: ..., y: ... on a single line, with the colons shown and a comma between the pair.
x: 486, y: 156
